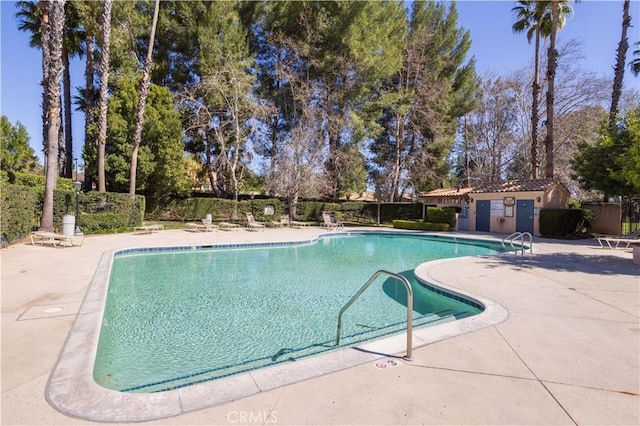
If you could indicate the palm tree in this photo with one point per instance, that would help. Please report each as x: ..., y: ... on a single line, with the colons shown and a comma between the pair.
x: 621, y: 57
x: 635, y: 64
x: 533, y: 17
x: 559, y: 11
x: 142, y: 98
x: 29, y: 16
x: 102, y: 99
x: 51, y: 41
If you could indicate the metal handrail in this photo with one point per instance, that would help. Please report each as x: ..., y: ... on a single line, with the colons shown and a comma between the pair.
x: 407, y: 285
x: 512, y: 237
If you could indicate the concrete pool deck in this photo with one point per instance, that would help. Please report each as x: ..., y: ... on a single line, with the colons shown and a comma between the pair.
x: 569, y: 353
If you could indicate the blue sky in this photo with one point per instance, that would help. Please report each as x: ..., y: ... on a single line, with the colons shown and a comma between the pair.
x: 595, y: 24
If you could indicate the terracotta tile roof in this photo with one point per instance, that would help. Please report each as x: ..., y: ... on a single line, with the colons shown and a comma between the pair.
x: 447, y: 192
x: 517, y: 185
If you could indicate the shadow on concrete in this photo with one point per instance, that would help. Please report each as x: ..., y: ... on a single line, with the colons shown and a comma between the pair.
x: 573, y: 262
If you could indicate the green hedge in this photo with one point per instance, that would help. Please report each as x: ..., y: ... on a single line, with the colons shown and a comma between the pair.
x: 64, y: 202
x: 18, y: 212
x: 196, y: 208
x: 22, y: 207
x: 442, y: 215
x: 420, y: 226
x: 36, y: 182
x: 220, y: 209
x: 101, y: 223
x: 564, y: 223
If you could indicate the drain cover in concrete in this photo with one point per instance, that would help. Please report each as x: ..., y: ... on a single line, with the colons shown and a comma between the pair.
x: 48, y: 311
x: 386, y: 364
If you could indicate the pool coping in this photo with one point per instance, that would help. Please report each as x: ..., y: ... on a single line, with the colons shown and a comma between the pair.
x: 72, y: 390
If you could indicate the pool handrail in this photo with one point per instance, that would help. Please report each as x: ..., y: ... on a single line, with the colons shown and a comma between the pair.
x: 519, y: 235
x: 407, y: 285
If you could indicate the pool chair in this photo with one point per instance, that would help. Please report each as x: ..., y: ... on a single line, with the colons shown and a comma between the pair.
x: 297, y: 224
x: 148, y: 229
x: 228, y: 226
x: 616, y: 241
x: 252, y: 224
x: 43, y: 237
x: 279, y: 223
x: 284, y: 220
x: 329, y: 223
x: 205, y: 226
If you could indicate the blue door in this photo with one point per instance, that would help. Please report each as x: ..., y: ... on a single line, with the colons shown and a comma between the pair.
x: 483, y: 216
x: 524, y: 216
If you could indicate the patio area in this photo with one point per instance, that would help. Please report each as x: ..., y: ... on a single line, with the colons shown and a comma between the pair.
x: 569, y: 352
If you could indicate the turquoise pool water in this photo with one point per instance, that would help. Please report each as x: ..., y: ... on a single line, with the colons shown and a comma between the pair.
x: 178, y: 317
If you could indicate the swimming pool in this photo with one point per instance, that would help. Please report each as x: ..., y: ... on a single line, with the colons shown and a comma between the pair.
x: 243, y: 307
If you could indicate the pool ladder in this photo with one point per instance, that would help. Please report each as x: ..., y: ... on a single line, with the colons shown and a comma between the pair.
x: 407, y: 285
x: 519, y: 235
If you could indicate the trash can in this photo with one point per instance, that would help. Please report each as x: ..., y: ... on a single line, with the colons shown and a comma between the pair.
x: 208, y: 218
x: 68, y: 225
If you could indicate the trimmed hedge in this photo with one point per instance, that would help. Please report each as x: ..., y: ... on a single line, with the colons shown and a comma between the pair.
x: 22, y: 207
x: 196, y: 208
x: 18, y: 212
x: 420, y: 226
x: 220, y: 209
x: 563, y: 223
x: 36, y: 182
x: 97, y: 203
x: 442, y: 215
x: 102, y: 223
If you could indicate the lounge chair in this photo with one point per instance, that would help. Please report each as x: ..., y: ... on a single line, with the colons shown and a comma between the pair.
x: 228, y: 226
x: 279, y: 223
x: 329, y: 223
x: 205, y: 226
x: 252, y: 224
x: 44, y: 237
x: 616, y: 241
x: 148, y: 229
x: 297, y: 224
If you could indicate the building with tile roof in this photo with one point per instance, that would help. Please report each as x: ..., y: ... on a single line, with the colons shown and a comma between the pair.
x: 514, y: 205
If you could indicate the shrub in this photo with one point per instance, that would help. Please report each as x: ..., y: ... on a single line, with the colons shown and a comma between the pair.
x: 420, y: 226
x: 564, y: 223
x: 18, y: 212
x: 442, y: 215
x: 220, y: 209
x: 64, y: 202
x: 101, y: 223
x: 22, y: 207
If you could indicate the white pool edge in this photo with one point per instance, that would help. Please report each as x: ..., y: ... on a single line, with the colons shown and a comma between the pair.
x: 72, y: 390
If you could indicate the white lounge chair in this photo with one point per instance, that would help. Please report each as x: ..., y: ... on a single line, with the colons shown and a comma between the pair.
x: 329, y: 223
x: 252, y: 224
x: 148, y: 229
x: 279, y: 223
x: 614, y: 242
x: 44, y: 237
x: 228, y: 226
x: 205, y: 226
x: 298, y: 224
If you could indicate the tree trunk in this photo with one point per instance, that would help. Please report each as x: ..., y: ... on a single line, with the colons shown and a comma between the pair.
x: 62, y: 152
x: 551, y: 75
x: 142, y: 99
x: 534, y: 107
x: 395, y: 178
x: 103, y: 101
x: 621, y: 57
x: 51, y: 29
x: 68, y: 135
x: 88, y: 103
